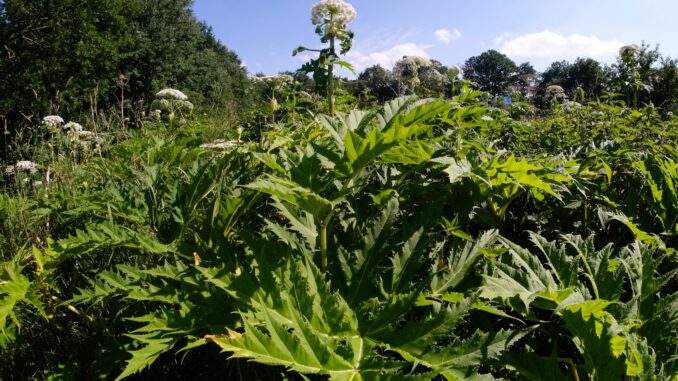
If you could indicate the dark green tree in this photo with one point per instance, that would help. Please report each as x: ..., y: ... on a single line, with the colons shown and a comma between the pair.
x: 585, y: 74
x: 589, y: 75
x: 66, y: 56
x: 665, y: 86
x: 379, y: 83
x: 492, y: 71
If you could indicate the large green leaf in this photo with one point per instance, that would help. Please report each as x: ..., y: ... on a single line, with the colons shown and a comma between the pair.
x: 294, y: 194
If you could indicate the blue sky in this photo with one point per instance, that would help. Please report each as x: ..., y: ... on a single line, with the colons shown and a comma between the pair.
x: 264, y: 32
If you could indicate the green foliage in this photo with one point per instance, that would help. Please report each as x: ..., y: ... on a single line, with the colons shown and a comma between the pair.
x: 382, y: 244
x: 67, y: 57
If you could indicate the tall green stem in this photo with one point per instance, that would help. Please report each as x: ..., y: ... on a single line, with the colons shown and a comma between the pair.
x: 330, y: 79
x: 325, y: 223
x: 323, y: 238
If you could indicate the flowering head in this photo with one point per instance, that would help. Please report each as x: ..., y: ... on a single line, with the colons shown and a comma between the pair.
x: 73, y: 127
x: 274, y: 81
x: 171, y: 94
x: 332, y: 16
x: 221, y: 144
x: 171, y: 102
x: 52, y: 122
x: 22, y: 166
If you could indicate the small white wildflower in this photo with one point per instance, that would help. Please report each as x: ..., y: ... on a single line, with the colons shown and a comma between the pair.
x: 72, y: 126
x: 172, y: 94
x: 487, y: 118
x: 37, y: 184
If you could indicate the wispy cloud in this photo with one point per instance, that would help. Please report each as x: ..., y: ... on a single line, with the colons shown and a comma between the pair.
x: 362, y: 59
x: 446, y: 36
x: 304, y: 57
x: 548, y: 44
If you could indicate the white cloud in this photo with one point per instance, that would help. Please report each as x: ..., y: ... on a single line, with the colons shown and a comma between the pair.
x: 304, y: 57
x: 547, y: 44
x: 361, y: 60
x: 446, y: 36
x: 503, y: 37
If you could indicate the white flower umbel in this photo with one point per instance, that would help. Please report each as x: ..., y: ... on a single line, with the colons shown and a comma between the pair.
x: 338, y: 11
x: 83, y: 134
x: 276, y: 80
x: 52, y: 121
x: 487, y: 118
x: 172, y: 94
x: 221, y: 144
x: 22, y: 166
x: 72, y: 126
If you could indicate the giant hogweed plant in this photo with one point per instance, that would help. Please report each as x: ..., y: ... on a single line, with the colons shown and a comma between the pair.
x: 331, y: 18
x: 364, y: 251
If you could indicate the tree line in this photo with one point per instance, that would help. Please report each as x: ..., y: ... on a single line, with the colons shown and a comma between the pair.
x: 73, y: 57
x: 77, y: 58
x: 640, y: 75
